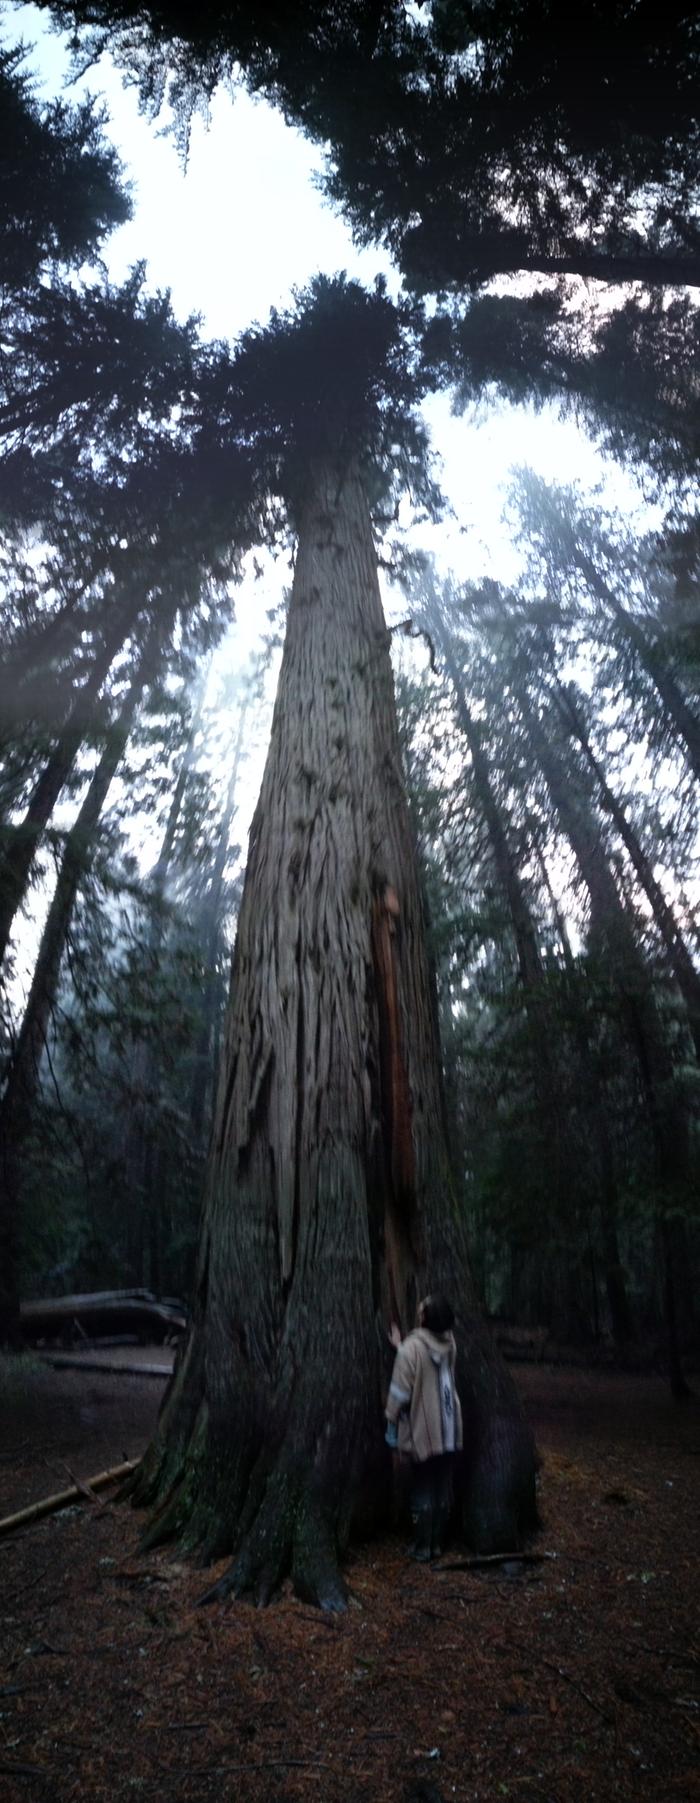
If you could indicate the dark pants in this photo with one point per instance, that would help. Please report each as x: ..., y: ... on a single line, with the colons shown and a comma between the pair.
x: 431, y: 1503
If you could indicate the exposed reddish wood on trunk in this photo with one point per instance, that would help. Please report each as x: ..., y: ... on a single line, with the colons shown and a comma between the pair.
x: 396, y: 1098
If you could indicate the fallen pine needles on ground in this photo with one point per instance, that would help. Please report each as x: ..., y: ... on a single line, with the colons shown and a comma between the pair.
x: 578, y: 1677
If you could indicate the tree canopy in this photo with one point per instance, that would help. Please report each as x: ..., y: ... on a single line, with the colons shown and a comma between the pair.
x: 61, y: 184
x: 472, y: 140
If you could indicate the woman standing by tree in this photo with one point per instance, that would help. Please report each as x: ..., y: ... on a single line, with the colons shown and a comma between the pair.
x: 424, y: 1419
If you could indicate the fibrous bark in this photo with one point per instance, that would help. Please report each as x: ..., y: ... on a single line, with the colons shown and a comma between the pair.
x: 329, y: 1206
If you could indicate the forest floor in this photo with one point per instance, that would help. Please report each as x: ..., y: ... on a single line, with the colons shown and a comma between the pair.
x: 577, y: 1678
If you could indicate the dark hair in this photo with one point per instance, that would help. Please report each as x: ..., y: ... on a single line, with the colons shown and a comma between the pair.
x: 438, y: 1314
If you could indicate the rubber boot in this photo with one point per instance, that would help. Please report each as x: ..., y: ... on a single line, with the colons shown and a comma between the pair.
x: 421, y: 1549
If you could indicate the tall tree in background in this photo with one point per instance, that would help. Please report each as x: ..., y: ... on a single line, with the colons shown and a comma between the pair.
x: 76, y: 1224
x: 143, y: 1156
x: 22, y: 1085
x: 137, y: 532
x: 598, y: 764
x: 329, y: 1199
x: 573, y: 714
x: 612, y: 930
x: 173, y: 574
x: 181, y: 616
x: 524, y: 656
x: 623, y: 592
x: 437, y: 606
x: 241, y: 695
x: 101, y: 1203
x: 113, y: 539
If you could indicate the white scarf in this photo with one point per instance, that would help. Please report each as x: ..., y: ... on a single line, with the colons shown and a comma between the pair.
x: 446, y: 1387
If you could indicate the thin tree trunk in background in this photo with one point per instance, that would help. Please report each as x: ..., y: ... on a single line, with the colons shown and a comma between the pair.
x: 615, y: 1281
x: 329, y: 1205
x: 211, y: 933
x: 551, y: 1105
x: 610, y: 923
x: 142, y: 1156
x: 685, y: 973
x: 22, y: 840
x: 524, y: 932
x: 161, y: 869
x: 17, y: 1106
x: 681, y: 717
x: 557, y: 914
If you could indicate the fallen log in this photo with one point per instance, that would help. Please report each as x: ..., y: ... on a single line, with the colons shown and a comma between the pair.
x: 65, y: 1361
x: 107, y: 1312
x: 62, y: 1499
x: 105, y: 1342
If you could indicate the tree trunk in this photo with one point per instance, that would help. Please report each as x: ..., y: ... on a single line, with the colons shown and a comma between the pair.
x: 329, y: 1207
x: 667, y: 1118
x: 559, y: 1172
x: 524, y: 933
x: 161, y: 869
x: 681, y: 717
x: 210, y: 928
x: 19, y: 1098
x: 144, y: 1154
x: 621, y: 1318
x: 685, y: 973
x: 23, y: 839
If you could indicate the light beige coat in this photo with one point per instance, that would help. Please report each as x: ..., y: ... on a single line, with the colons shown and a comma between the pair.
x: 414, y: 1394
